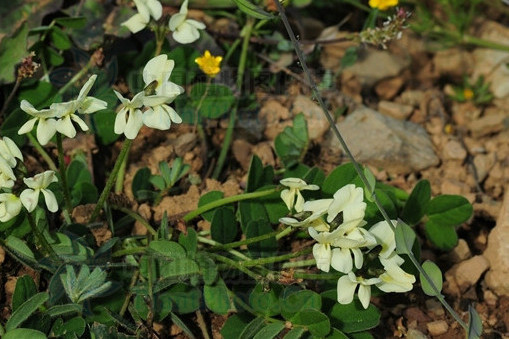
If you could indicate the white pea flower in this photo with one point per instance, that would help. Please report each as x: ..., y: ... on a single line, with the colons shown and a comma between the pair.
x: 350, y: 244
x: 394, y: 279
x: 384, y: 236
x: 347, y: 285
x: 7, y: 176
x: 10, y: 151
x: 157, y: 73
x: 159, y: 115
x: 292, y: 196
x: 316, y: 210
x: 66, y: 111
x: 349, y: 200
x: 10, y: 205
x: 146, y: 9
x: 185, y: 31
x: 323, y: 253
x: 46, y: 127
x: 129, y: 119
x: 39, y: 183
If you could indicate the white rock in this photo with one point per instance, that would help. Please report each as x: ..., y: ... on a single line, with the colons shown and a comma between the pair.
x: 317, y: 123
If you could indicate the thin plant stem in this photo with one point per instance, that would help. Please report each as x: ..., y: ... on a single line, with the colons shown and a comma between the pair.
x: 218, y: 245
x: 111, y: 180
x: 119, y: 184
x: 136, y: 217
x: 129, y: 251
x: 351, y: 157
x: 63, y: 174
x: 11, y: 95
x: 299, y: 263
x: 42, y: 152
x: 200, y: 103
x: 76, y: 77
x: 127, y: 299
x: 284, y: 233
x: 202, y: 325
x: 317, y: 276
x: 270, y: 260
x: 235, y: 264
x: 42, y: 239
x: 248, y: 30
x: 225, y: 201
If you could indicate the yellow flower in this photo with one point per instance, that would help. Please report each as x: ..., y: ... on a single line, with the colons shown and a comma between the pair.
x: 209, y: 64
x: 382, y: 4
x: 468, y: 93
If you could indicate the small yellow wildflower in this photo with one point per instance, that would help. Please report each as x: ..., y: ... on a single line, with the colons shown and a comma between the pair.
x: 468, y: 93
x: 382, y: 4
x: 448, y: 129
x: 209, y: 64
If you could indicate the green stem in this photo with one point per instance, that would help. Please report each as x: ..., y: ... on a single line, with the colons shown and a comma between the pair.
x: 63, y: 175
x: 75, y: 78
x: 136, y: 217
x: 119, y: 184
x: 111, y: 180
x: 42, y: 239
x: 218, y: 245
x: 134, y: 278
x: 247, y: 31
x: 225, y: 201
x: 317, y: 276
x: 235, y: 264
x: 42, y: 152
x: 129, y: 251
x: 284, y: 233
x: 300, y: 263
x: 270, y: 260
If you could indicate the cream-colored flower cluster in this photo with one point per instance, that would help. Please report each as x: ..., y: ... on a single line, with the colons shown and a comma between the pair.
x: 185, y: 31
x: 151, y: 106
x: 10, y: 203
x: 365, y: 255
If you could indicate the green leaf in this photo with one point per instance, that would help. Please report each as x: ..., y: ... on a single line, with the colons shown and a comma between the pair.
x: 387, y: 199
x: 66, y: 309
x: 168, y: 249
x: 179, y: 267
x: 217, y: 102
x: 234, y: 325
x: 252, y: 10
x: 442, y: 236
x: 185, y: 68
x: 189, y: 241
x: 291, y: 144
x: 405, y: 238
x: 339, y: 177
x: 103, y: 122
x: 12, y: 51
x: 24, y: 333
x: 157, y: 181
x: 185, y: 298
x: 12, y: 124
x: 60, y: 39
x: 72, y: 22
x: 251, y: 211
x: 39, y: 94
x: 262, y: 248
x: 435, y: 275
x: 474, y: 324
x: 18, y: 246
x: 295, y: 333
x: 258, y: 176
x: 265, y: 299
x: 223, y: 227
x: 337, y: 334
x: 25, y: 310
x: 72, y: 328
x: 450, y: 210
x: 353, y: 317
x: 315, y: 321
x: 299, y: 301
x: 25, y: 289
x: 270, y: 331
x: 141, y: 182
x: 208, y: 198
x: 216, y: 297
x: 349, y: 58
x: 252, y: 328
x: 417, y: 202
x: 208, y: 268
x: 371, y: 181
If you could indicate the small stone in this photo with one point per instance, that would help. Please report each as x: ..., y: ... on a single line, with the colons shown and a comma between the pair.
x: 185, y: 143
x: 435, y: 307
x: 483, y: 164
x: 412, y: 97
x: 145, y: 211
x: 316, y: 121
x: 453, y: 150
x: 490, y: 298
x: 264, y: 151
x: 437, y: 327
x: 461, y: 252
x: 454, y: 62
x: 467, y: 273
x: 395, y: 110
x: 489, y: 124
x: 451, y: 186
x: 388, y: 88
x: 242, y: 151
x: 414, y: 333
x: 9, y: 287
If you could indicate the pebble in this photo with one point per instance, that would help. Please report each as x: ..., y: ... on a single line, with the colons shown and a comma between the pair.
x: 388, y: 88
x: 461, y: 252
x: 395, y: 110
x: 242, y: 151
x: 467, y: 273
x: 483, y: 164
x: 316, y: 121
x: 414, y: 333
x: 435, y: 307
x: 489, y: 124
x: 437, y: 327
x: 454, y: 150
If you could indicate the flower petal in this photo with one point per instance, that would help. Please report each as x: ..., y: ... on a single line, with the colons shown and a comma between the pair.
x: 65, y: 126
x: 29, y: 199
x: 341, y: 260
x: 364, y: 295
x: 51, y: 201
x: 346, y: 290
x: 46, y: 129
x: 134, y: 124
x: 27, y: 126
x: 136, y: 23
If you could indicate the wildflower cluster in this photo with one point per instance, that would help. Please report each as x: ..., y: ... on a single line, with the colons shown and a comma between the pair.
x: 392, y: 29
x: 10, y: 201
x: 151, y: 106
x: 365, y: 255
x: 185, y: 31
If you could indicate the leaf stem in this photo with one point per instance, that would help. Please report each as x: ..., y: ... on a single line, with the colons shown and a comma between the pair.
x: 270, y: 260
x: 235, y: 264
x: 136, y: 217
x: 42, y: 152
x: 76, y: 77
x: 42, y: 239
x: 247, y: 31
x: 111, y: 180
x: 225, y: 201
